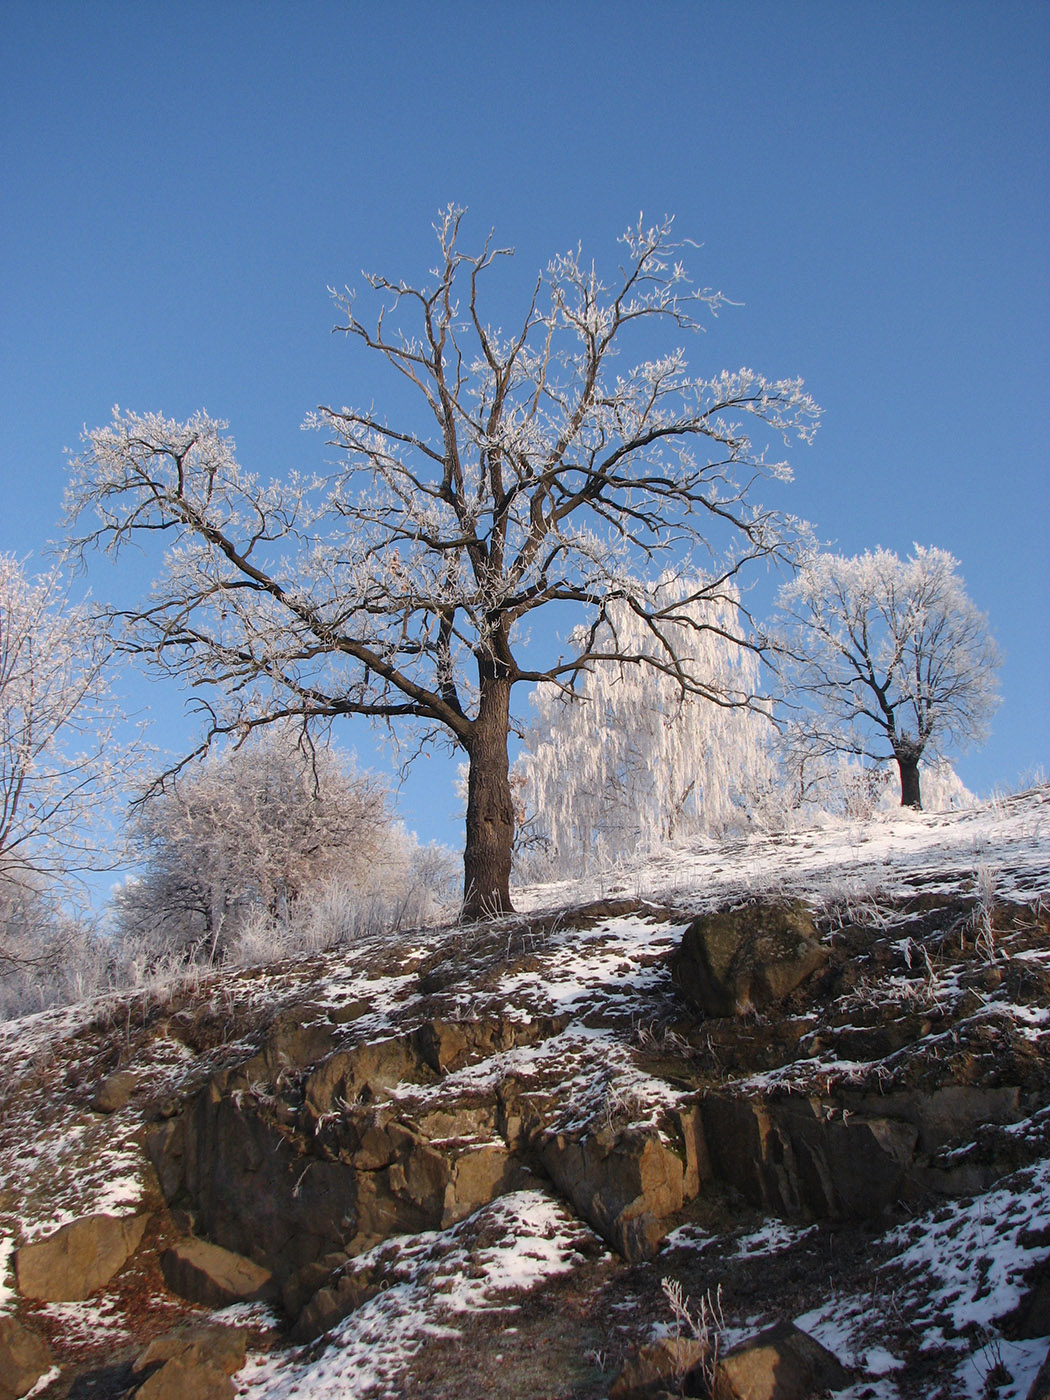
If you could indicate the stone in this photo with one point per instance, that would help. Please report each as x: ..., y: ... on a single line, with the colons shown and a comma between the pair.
x: 205, y: 1273
x: 330, y: 1304
x: 748, y: 958
x: 782, y: 1363
x: 79, y: 1258
x: 800, y: 1157
x: 114, y: 1092
x: 1040, y: 1387
x: 177, y: 1380
x: 626, y: 1184
x: 659, y: 1367
x: 222, y: 1348
x: 1031, y: 1317
x: 24, y: 1358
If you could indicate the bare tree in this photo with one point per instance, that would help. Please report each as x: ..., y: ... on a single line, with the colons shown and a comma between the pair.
x: 248, y: 830
x: 896, y: 659
x: 64, y: 746
x: 540, y: 471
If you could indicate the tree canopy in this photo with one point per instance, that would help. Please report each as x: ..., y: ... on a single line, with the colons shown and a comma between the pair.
x: 540, y: 469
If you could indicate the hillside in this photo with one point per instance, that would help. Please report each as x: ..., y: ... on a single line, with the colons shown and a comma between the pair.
x: 494, y: 1159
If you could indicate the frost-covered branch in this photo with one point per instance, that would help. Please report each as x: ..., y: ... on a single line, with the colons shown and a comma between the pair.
x: 538, y: 471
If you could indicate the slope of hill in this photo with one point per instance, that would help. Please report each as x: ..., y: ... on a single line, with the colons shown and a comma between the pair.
x: 503, y: 1158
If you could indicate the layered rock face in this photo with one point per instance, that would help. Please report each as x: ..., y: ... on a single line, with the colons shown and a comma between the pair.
x: 326, y: 1142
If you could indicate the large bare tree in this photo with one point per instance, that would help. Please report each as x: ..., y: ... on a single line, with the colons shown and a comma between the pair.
x: 540, y: 470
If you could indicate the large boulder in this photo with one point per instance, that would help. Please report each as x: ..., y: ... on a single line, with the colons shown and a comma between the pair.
x: 782, y: 1363
x: 191, y: 1363
x: 24, y: 1358
x: 659, y: 1368
x: 798, y: 1156
x: 205, y: 1273
x: 78, y: 1258
x: 747, y: 959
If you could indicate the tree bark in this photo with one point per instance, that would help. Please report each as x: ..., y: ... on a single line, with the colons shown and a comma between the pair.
x: 490, y: 811
x: 908, y: 765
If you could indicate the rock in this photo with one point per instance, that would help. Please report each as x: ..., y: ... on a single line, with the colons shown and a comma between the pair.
x: 1040, y: 1387
x: 77, y: 1259
x: 114, y: 1092
x: 801, y: 1157
x: 177, y: 1380
x: 945, y: 1115
x: 748, y: 958
x: 330, y: 1304
x: 1031, y: 1317
x: 205, y: 1273
x: 782, y: 1363
x: 623, y: 1183
x: 24, y: 1358
x: 222, y: 1348
x: 662, y: 1366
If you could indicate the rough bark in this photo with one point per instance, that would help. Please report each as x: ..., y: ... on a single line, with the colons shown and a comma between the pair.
x: 490, y: 811
x: 908, y: 765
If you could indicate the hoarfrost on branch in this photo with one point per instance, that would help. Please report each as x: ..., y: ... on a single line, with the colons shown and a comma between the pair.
x: 537, y: 472
x: 894, y: 658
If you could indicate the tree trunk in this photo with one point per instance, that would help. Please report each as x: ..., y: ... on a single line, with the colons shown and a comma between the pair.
x: 908, y: 764
x: 490, y: 811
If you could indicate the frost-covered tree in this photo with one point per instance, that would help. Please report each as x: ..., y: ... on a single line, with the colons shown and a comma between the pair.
x: 249, y: 828
x: 633, y: 760
x: 543, y: 468
x: 893, y: 658
x: 64, y: 745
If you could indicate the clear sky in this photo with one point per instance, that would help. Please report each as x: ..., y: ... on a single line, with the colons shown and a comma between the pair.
x: 181, y: 182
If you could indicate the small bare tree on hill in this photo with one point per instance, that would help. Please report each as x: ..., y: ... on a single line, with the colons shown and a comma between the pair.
x: 540, y: 471
x: 893, y: 657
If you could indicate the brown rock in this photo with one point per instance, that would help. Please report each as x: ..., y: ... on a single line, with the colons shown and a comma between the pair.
x: 179, y: 1380
x: 782, y: 1363
x: 624, y: 1183
x: 205, y: 1273
x: 24, y: 1358
x: 222, y: 1348
x: 661, y: 1366
x: 748, y: 958
x: 114, y: 1092
x: 77, y: 1259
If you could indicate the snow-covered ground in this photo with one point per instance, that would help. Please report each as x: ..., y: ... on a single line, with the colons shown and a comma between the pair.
x: 952, y: 1272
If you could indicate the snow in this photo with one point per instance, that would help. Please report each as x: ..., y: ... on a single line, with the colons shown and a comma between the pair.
x: 438, y: 1285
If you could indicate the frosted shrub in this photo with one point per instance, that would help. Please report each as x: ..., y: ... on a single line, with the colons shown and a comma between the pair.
x: 417, y: 886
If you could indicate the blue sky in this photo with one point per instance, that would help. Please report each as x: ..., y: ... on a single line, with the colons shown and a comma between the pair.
x: 182, y: 182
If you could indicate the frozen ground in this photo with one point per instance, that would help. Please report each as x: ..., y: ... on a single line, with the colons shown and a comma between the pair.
x: 522, y: 1291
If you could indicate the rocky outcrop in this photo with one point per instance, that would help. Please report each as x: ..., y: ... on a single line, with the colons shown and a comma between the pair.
x: 24, y: 1358
x: 205, y: 1273
x: 324, y: 1160
x: 747, y: 959
x: 78, y: 1258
